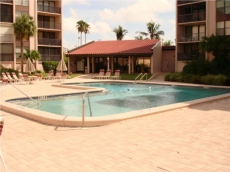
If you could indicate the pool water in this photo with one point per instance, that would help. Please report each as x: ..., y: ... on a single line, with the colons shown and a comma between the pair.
x: 120, y: 98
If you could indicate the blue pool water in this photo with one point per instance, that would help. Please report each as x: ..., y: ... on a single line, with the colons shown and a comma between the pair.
x: 121, y: 98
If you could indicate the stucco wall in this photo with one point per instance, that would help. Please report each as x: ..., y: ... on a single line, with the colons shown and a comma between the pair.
x: 156, y: 58
x: 168, y: 61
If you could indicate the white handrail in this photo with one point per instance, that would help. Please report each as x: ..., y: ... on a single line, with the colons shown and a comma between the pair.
x: 25, y: 94
x: 145, y: 75
x: 138, y: 76
x: 83, y: 108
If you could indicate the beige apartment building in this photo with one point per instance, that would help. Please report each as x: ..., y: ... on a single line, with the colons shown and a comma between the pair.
x: 195, y: 19
x: 48, y: 39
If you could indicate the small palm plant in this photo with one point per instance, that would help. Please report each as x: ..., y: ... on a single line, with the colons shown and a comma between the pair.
x: 168, y: 43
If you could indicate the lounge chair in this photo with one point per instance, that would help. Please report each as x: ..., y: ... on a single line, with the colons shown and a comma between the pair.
x: 116, y: 75
x: 5, y: 78
x: 101, y: 73
x: 63, y: 76
x: 39, y: 76
x: 16, y: 78
x: 58, y: 75
x: 107, y: 75
x: 10, y: 78
x: 50, y: 75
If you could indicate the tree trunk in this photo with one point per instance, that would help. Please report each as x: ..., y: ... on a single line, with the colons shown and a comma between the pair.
x: 81, y: 38
x: 22, y: 54
x: 85, y: 38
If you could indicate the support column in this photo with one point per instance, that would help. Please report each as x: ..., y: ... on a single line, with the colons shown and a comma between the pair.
x: 88, y: 64
x: 93, y: 64
x: 69, y: 70
x: 132, y: 65
x: 112, y: 64
x: 129, y: 65
x: 108, y: 63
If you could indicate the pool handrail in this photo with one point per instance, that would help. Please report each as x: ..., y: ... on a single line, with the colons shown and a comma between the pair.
x: 138, y: 76
x: 83, y: 108
x: 144, y: 76
x: 24, y: 94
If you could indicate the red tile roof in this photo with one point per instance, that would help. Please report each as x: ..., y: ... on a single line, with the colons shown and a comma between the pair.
x: 123, y: 47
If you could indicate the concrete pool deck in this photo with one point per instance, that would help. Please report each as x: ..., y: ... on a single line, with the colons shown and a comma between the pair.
x: 192, y: 139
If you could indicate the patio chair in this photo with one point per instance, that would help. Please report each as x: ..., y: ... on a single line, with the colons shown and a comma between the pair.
x: 50, y: 75
x: 116, y: 75
x: 10, y: 78
x: 63, y: 76
x: 107, y: 75
x: 58, y: 75
x: 5, y: 77
x: 101, y: 73
x: 15, y: 77
x: 39, y: 76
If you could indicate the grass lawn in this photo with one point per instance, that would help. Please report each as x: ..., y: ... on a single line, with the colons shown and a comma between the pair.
x: 70, y: 75
x: 125, y: 76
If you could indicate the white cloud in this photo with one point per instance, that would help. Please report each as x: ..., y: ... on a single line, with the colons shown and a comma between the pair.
x: 69, y: 23
x: 71, y: 2
x: 140, y: 11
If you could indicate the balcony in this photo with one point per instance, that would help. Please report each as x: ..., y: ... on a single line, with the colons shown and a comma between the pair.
x: 7, y: 57
x: 6, y: 37
x: 186, y: 57
x: 194, y: 38
x: 6, y: 18
x: 194, y: 17
x: 188, y: 1
x: 49, y: 9
x: 49, y: 25
x: 47, y: 41
x: 48, y: 57
x: 6, y: 1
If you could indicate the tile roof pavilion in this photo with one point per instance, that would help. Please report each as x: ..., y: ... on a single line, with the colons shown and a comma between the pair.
x: 117, y: 47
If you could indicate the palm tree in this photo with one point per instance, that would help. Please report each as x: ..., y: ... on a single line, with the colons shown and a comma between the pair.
x: 153, y: 30
x: 24, y: 27
x: 168, y: 43
x: 86, y: 27
x: 120, y: 32
x: 139, y: 37
x: 80, y: 27
x: 32, y: 54
x: 218, y: 45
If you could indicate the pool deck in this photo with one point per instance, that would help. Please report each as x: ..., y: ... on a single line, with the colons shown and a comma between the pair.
x: 191, y: 139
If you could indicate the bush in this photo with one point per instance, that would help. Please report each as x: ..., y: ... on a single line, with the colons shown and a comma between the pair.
x: 197, y: 79
x: 4, y: 70
x: 49, y: 65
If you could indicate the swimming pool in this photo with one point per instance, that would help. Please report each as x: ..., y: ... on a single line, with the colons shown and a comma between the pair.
x: 121, y: 98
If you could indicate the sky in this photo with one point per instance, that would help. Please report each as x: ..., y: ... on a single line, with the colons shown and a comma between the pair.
x: 105, y: 15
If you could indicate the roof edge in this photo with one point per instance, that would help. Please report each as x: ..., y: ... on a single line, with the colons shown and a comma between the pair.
x: 79, y: 47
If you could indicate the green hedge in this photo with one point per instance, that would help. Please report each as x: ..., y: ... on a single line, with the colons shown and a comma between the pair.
x: 4, y: 70
x: 49, y: 65
x: 197, y: 79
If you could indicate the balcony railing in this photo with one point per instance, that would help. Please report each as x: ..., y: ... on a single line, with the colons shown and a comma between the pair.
x: 48, y: 57
x: 46, y: 41
x: 6, y: 57
x: 6, y: 18
x: 192, y: 17
x: 6, y: 37
x: 49, y: 25
x: 7, y: 1
x: 186, y: 57
x: 188, y: 1
x: 194, y: 37
x: 49, y: 9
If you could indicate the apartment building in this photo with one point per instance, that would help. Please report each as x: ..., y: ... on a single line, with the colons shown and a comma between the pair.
x: 195, y: 19
x: 48, y: 39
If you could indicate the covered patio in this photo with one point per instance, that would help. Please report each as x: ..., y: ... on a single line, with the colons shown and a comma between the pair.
x: 130, y: 56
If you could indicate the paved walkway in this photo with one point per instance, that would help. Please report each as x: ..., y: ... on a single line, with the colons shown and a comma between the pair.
x: 193, y: 139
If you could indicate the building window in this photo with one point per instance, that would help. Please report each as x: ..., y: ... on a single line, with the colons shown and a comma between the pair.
x: 223, y: 28
x: 6, y: 13
x: 22, y: 2
x: 223, y: 6
x: 18, y: 13
x: 18, y: 51
x: 6, y: 48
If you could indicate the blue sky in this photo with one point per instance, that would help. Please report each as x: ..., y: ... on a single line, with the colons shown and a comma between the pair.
x: 105, y: 15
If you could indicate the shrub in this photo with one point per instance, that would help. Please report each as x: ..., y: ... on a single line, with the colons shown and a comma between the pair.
x: 49, y: 65
x: 3, y: 70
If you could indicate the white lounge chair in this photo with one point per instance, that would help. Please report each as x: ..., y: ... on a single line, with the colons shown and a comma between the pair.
x: 101, y: 74
x: 107, y: 75
x: 116, y: 75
